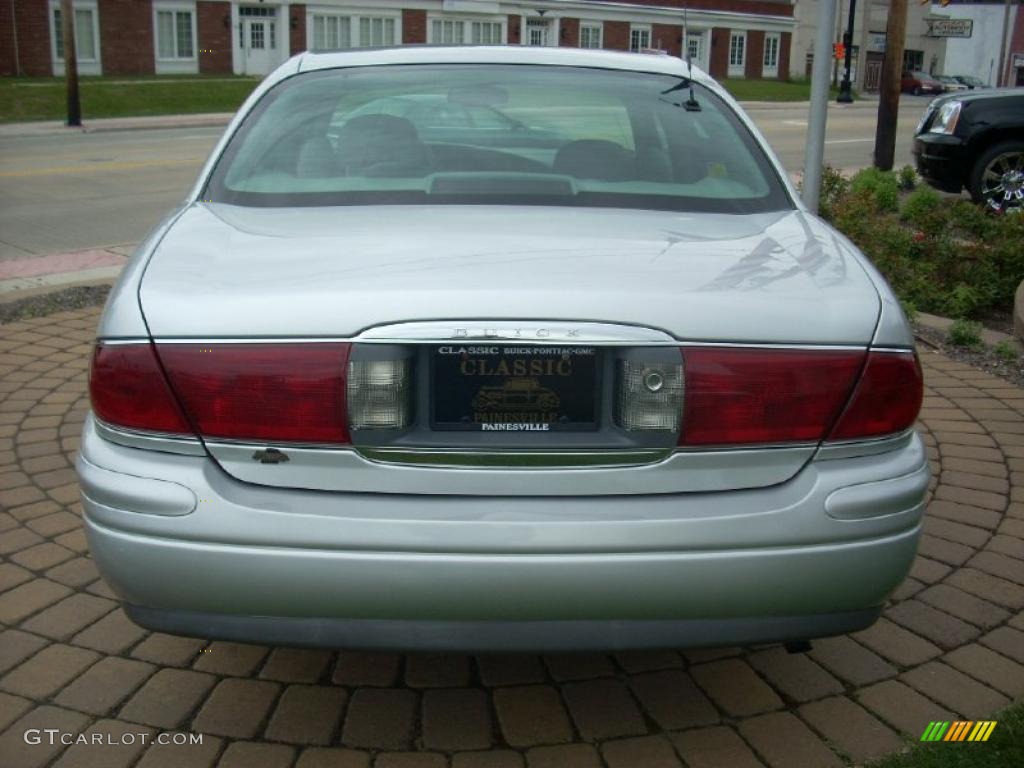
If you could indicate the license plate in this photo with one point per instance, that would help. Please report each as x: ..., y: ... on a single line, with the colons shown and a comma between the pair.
x: 504, y: 388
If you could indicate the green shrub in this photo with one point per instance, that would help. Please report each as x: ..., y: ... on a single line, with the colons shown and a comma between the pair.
x: 909, y: 309
x: 1006, y: 350
x: 965, y: 333
x: 940, y: 254
x: 924, y: 209
x: 834, y: 186
x: 962, y: 301
x: 907, y: 178
x: 882, y: 186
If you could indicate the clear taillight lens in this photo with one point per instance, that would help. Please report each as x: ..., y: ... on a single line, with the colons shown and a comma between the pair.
x: 262, y: 392
x: 649, y: 396
x: 128, y: 389
x: 379, y: 394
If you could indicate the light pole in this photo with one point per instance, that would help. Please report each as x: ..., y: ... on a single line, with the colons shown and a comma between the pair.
x: 67, y: 19
x: 818, y: 109
x: 845, y: 96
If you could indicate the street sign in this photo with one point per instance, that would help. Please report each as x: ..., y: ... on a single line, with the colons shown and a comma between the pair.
x: 949, y: 27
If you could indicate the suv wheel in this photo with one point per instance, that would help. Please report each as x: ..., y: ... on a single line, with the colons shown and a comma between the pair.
x: 997, y: 178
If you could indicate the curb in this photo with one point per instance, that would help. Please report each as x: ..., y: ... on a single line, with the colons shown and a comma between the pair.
x: 38, y: 275
x: 943, y: 324
x: 29, y: 288
x: 767, y: 105
x: 57, y: 128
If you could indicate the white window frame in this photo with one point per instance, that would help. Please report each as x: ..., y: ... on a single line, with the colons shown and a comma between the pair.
x: 641, y: 29
x: 175, y: 64
x: 354, y: 16
x: 770, y: 65
x: 592, y: 26
x: 467, y: 27
x: 91, y: 66
x: 738, y: 69
x: 334, y: 17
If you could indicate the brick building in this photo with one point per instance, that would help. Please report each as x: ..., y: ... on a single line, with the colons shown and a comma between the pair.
x: 729, y: 38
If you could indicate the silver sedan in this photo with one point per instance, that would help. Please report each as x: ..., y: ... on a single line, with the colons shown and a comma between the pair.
x: 406, y: 381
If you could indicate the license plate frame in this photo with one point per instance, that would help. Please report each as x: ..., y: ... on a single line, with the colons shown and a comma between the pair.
x: 541, y: 389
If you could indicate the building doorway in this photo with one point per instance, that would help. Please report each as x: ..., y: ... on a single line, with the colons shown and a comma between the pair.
x: 697, y: 48
x: 538, y: 32
x: 873, y: 72
x: 258, y: 39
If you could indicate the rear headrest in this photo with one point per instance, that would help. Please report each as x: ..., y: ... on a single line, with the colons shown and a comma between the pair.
x: 374, y: 139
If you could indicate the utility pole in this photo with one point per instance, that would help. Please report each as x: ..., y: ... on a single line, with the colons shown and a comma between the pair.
x: 14, y: 40
x: 889, y: 96
x: 845, y: 96
x: 815, y: 150
x: 1001, y: 76
x: 67, y: 23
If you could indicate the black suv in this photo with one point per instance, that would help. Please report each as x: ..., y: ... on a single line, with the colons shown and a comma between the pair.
x: 975, y: 140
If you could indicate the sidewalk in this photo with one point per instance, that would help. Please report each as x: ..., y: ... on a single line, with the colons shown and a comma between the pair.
x: 20, y: 278
x: 56, y: 127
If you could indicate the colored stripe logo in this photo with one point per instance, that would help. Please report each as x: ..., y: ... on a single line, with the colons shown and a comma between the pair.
x: 959, y: 730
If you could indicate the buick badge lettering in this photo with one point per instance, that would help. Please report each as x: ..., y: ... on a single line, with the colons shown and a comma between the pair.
x: 517, y: 333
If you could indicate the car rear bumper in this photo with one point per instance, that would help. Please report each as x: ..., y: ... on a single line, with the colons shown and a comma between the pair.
x: 939, y: 160
x: 501, y: 636
x: 817, y: 555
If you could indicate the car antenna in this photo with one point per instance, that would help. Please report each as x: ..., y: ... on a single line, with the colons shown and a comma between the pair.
x: 690, y: 104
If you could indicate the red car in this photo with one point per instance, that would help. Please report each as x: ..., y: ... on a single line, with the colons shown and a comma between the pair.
x: 920, y: 82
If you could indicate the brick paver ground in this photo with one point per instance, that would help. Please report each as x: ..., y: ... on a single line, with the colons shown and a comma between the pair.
x: 951, y: 643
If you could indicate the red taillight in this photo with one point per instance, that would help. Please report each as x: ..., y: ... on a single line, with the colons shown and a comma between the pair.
x: 887, y: 398
x: 276, y: 392
x: 128, y: 389
x: 737, y: 396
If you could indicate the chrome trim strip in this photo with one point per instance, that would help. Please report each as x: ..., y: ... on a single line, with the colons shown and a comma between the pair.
x: 849, y: 449
x: 534, y: 342
x: 518, y: 459
x: 150, y: 441
x: 121, y: 342
x: 732, y: 447
x: 523, y: 331
x: 261, y: 340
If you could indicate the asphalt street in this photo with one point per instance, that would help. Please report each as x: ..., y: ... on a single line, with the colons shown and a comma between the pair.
x: 86, y: 190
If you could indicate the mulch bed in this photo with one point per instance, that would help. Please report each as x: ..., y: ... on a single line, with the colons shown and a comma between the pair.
x: 76, y: 297
x: 983, y: 358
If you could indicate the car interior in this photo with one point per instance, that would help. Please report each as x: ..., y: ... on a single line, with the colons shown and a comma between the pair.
x: 630, y: 143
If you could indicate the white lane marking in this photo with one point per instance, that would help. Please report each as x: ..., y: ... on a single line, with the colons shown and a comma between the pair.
x: 801, y: 123
x: 848, y: 141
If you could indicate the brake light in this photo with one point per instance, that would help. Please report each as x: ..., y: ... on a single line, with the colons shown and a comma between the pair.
x: 128, y: 389
x: 273, y: 392
x: 738, y: 396
x: 887, y: 399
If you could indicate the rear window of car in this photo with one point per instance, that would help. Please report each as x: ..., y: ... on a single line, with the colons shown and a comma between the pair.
x: 495, y: 134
